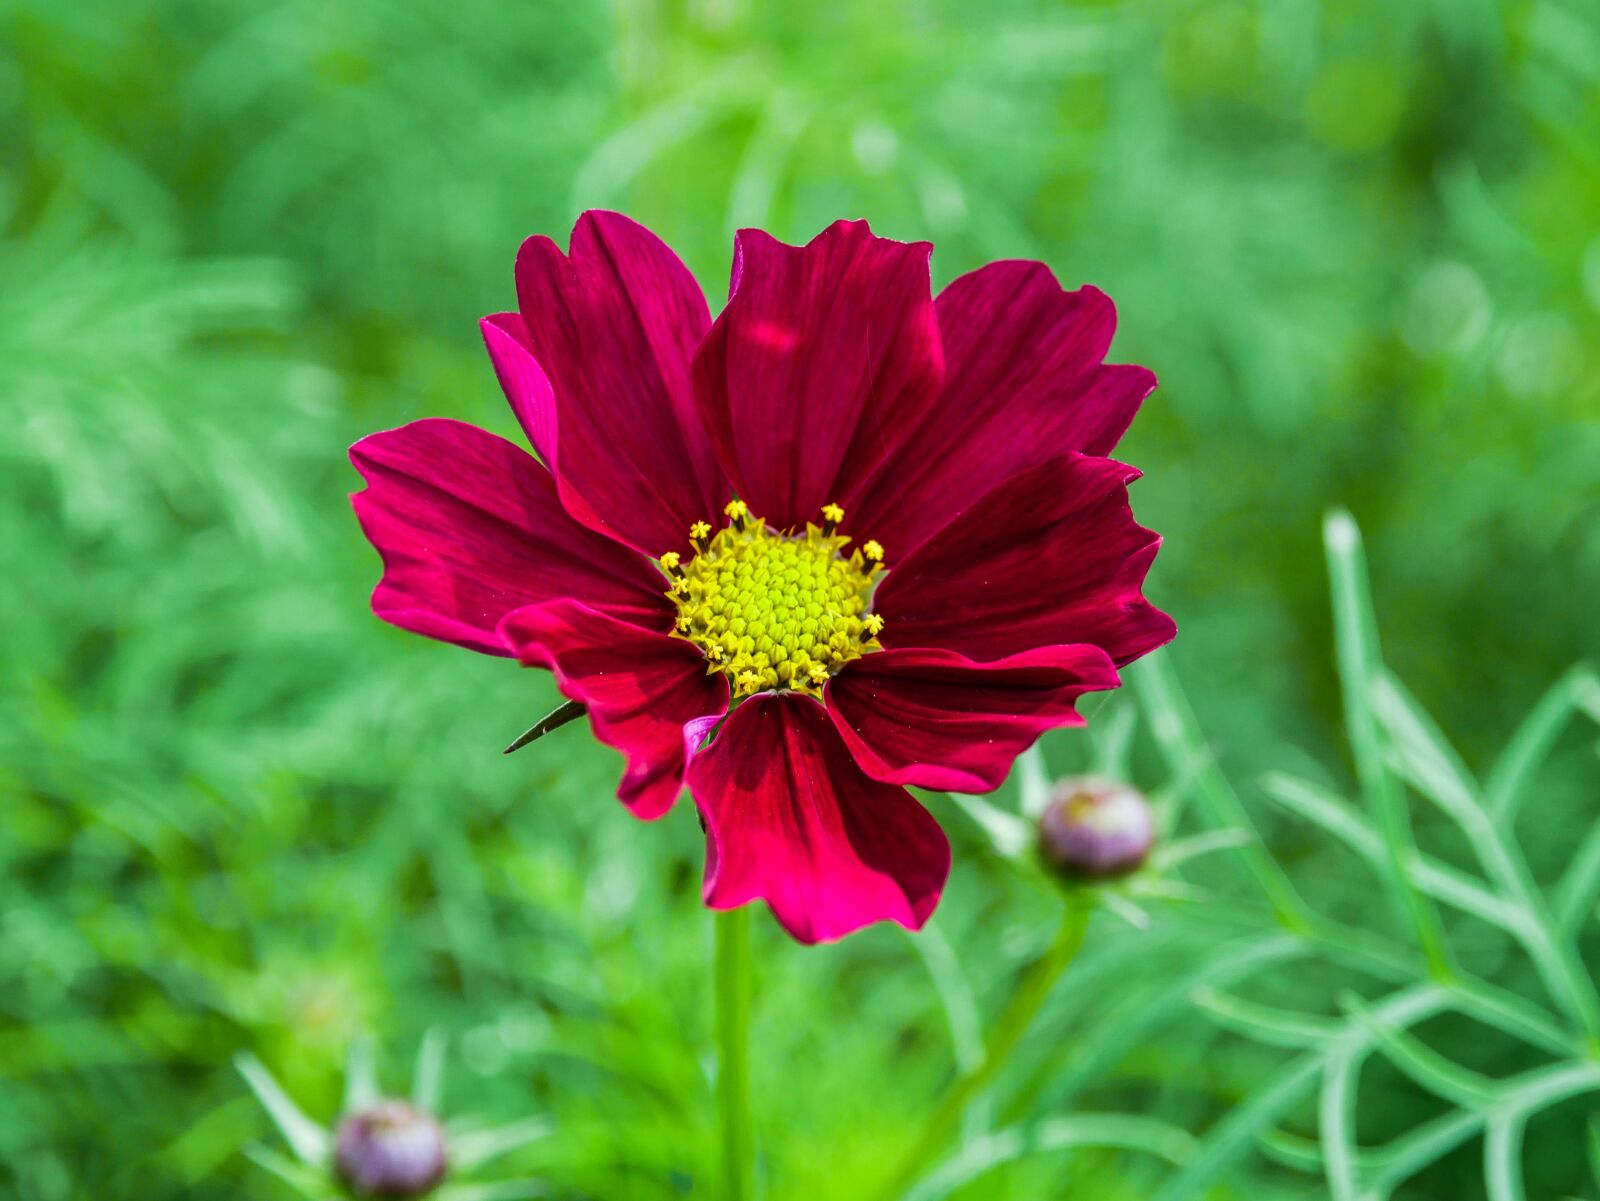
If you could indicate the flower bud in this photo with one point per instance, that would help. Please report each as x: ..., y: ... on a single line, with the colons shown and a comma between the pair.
x: 391, y: 1150
x: 1095, y: 828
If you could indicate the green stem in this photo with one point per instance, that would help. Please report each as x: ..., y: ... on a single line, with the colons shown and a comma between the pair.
x: 1008, y: 1033
x: 734, y: 1128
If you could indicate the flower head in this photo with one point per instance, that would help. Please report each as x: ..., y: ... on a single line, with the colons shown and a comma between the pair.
x: 390, y: 1150
x: 1095, y: 828
x: 847, y: 537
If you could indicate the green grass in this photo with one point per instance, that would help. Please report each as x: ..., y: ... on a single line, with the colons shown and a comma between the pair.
x: 240, y: 816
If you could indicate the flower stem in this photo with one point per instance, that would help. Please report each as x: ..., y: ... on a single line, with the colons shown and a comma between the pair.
x: 735, y: 1130
x: 1013, y: 1024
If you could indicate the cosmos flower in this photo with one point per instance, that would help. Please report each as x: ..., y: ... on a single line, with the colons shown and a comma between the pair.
x: 843, y: 539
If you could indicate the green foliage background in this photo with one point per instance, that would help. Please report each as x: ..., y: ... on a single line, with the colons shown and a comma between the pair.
x: 1359, y: 243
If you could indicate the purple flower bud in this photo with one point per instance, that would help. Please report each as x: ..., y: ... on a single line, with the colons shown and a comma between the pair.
x: 391, y: 1150
x: 1096, y: 828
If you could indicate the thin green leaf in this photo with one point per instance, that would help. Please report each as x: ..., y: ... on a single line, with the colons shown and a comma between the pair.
x: 1112, y: 732
x: 1396, y: 1163
x: 1033, y: 780
x: 1433, y: 1071
x: 1097, y: 1058
x: 310, y: 1143
x: 1122, y: 907
x: 1424, y: 752
x: 304, y: 1179
x: 1174, y: 854
x: 1292, y: 1151
x: 1574, y: 894
x: 955, y: 995
x: 1265, y: 1023
x: 1547, y: 1086
x: 427, y: 1080
x: 1010, y: 835
x: 360, y: 1076
x: 474, y: 1148
x: 961, y: 1015
x: 1185, y: 750
x: 1574, y: 692
x: 1460, y: 891
x: 1512, y: 1013
x: 1131, y: 1132
x: 1234, y: 1134
x: 1435, y: 766
x: 1502, y: 1157
x: 1439, y: 880
x: 1326, y: 809
x: 1336, y: 1118
x: 1359, y: 659
x: 1422, y: 1145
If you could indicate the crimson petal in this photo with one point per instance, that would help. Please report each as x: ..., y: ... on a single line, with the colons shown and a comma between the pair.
x: 826, y: 357
x: 614, y: 326
x: 648, y: 694
x: 792, y: 820
x: 522, y: 380
x: 938, y: 720
x: 1024, y: 382
x: 470, y: 528
x: 1051, y: 556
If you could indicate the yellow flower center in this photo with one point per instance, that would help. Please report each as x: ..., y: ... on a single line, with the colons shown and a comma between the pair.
x: 776, y: 609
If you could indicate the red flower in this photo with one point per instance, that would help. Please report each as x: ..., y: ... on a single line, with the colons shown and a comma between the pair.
x: 928, y: 561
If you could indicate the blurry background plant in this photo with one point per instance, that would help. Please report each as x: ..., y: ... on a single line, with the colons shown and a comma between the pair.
x: 1356, y: 241
x: 385, y: 1146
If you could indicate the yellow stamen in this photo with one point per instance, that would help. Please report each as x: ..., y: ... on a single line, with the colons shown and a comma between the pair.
x: 700, y: 530
x: 670, y: 560
x: 873, y: 549
x: 775, y: 609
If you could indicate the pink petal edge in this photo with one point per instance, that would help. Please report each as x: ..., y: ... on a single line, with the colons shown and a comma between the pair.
x: 469, y: 528
x: 648, y: 695
x: 826, y: 356
x: 613, y: 327
x: 791, y: 819
x: 936, y: 719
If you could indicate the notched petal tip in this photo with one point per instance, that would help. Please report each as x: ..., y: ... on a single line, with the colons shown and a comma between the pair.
x: 1024, y: 381
x: 614, y: 325
x: 825, y: 359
